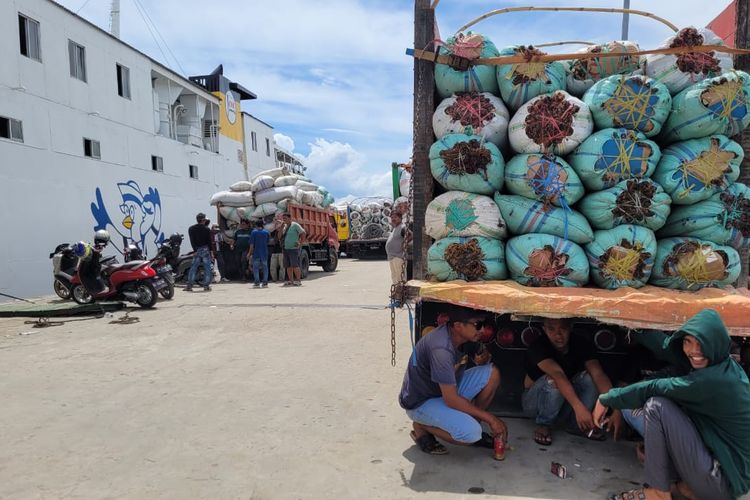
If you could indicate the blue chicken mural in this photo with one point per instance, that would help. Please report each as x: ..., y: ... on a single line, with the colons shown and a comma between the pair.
x: 138, y: 220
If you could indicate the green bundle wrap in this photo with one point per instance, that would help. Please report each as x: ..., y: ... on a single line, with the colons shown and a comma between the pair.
x: 584, y: 73
x: 622, y: 256
x: 479, y: 78
x: 692, y: 264
x: 633, y: 102
x: 471, y: 259
x: 523, y: 216
x: 456, y: 213
x: 521, y: 82
x: 715, y: 106
x: 723, y: 219
x: 466, y: 163
x: 694, y: 170
x: 639, y: 202
x: 546, y: 260
x: 613, y: 155
x: 546, y: 178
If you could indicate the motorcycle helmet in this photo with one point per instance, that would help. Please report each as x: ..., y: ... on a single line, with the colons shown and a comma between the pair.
x: 175, y: 239
x: 101, y: 237
x: 80, y: 249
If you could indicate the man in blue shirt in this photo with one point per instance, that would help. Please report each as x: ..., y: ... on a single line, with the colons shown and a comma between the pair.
x: 259, y: 251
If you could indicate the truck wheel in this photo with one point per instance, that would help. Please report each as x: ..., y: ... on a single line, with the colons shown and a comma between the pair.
x: 304, y: 263
x: 333, y: 261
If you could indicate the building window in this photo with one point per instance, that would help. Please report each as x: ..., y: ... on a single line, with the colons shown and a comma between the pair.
x: 157, y: 163
x: 193, y: 171
x: 268, y: 147
x: 123, y: 81
x: 11, y: 129
x: 28, y: 32
x: 254, y: 140
x: 92, y: 149
x: 77, y: 58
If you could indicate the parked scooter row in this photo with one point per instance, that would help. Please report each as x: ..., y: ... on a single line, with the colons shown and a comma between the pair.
x: 82, y: 274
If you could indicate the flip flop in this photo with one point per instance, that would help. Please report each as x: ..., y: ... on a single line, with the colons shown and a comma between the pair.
x: 428, y: 444
x: 638, y: 494
x: 543, y: 439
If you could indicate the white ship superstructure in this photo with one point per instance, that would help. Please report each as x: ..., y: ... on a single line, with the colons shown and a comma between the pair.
x: 95, y: 134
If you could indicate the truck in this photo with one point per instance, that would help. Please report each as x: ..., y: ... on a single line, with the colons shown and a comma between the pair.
x: 370, y: 227
x: 343, y: 227
x: 514, y: 311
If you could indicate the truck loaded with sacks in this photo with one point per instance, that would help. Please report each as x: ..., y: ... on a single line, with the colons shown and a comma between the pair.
x: 598, y: 185
x: 270, y: 194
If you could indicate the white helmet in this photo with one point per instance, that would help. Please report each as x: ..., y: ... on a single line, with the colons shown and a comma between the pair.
x: 101, y: 237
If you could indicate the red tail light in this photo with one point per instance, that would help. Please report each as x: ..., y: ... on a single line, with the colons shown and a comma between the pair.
x: 529, y: 335
x: 487, y: 333
x: 505, y: 337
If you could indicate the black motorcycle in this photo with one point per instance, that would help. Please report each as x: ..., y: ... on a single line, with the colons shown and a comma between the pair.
x: 64, y: 264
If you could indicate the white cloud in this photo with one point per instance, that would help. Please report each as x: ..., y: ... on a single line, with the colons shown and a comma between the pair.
x: 342, y: 169
x: 284, y: 141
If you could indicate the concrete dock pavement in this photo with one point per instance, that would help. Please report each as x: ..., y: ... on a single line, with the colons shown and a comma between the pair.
x: 252, y: 393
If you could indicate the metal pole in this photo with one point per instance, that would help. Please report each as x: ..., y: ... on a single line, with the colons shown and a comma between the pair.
x: 742, y: 62
x: 114, y: 19
x: 625, y: 19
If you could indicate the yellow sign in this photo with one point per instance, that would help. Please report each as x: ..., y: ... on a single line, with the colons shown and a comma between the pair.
x: 230, y: 116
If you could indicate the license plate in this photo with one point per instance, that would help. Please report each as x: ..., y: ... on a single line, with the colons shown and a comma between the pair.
x: 164, y: 269
x: 158, y: 283
x: 374, y: 247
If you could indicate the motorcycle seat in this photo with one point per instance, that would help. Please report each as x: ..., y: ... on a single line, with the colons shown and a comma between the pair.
x: 127, y: 265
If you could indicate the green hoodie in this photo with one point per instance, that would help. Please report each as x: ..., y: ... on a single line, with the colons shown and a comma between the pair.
x: 716, y: 398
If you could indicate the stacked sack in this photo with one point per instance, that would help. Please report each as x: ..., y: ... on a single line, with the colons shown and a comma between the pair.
x: 370, y: 218
x: 586, y: 185
x: 266, y: 196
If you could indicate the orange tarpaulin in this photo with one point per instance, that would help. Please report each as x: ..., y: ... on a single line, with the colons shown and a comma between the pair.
x: 647, y: 307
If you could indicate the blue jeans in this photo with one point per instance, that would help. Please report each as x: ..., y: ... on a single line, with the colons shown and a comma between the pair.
x: 546, y: 404
x: 635, y: 419
x: 461, y: 426
x: 258, y: 265
x: 202, y: 255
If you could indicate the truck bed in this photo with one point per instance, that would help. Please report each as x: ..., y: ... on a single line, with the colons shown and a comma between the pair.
x: 647, y: 307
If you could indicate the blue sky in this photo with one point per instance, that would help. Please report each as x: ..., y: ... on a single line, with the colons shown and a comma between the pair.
x: 331, y: 76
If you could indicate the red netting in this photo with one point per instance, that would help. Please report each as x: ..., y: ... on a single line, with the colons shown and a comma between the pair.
x: 633, y: 205
x: 737, y: 212
x: 468, y: 157
x: 466, y: 258
x: 471, y: 109
x: 550, y: 120
x: 694, y: 62
x: 546, y: 266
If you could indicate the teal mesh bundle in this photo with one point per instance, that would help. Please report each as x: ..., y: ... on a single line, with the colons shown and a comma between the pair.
x: 546, y: 178
x: 327, y: 200
x: 457, y: 213
x: 622, y: 256
x: 521, y: 82
x: 471, y: 259
x: 523, y: 216
x: 640, y: 202
x: 479, y: 78
x: 715, y: 106
x: 633, y: 102
x: 467, y: 163
x: 723, y: 219
x: 694, y: 170
x: 692, y: 264
x: 546, y: 260
x: 613, y: 155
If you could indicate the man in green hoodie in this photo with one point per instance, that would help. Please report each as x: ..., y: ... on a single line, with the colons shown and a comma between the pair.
x: 697, y: 424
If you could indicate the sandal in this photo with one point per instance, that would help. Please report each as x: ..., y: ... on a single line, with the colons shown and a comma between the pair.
x: 595, y: 434
x: 428, y: 444
x: 543, y: 438
x: 638, y: 494
x: 486, y: 441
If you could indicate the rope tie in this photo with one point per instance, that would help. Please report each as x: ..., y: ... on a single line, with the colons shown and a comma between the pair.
x: 623, y: 262
x: 694, y: 269
x: 631, y: 102
x: 727, y: 96
x: 544, y: 177
x: 467, y: 46
x: 708, y: 168
x: 472, y: 109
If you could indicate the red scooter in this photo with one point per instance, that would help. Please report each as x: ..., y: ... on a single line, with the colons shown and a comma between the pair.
x: 130, y: 281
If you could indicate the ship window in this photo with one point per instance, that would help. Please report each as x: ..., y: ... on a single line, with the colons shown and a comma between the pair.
x: 11, y: 129
x: 28, y: 32
x: 92, y: 148
x: 157, y: 163
x: 254, y: 140
x: 123, y: 81
x: 193, y: 171
x: 77, y: 58
x: 268, y: 147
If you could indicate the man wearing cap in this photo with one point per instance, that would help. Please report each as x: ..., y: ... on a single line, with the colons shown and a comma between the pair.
x: 200, y: 240
x: 443, y: 398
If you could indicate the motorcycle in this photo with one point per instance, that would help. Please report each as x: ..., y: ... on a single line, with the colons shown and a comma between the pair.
x: 64, y: 264
x: 131, y: 281
x: 164, y: 282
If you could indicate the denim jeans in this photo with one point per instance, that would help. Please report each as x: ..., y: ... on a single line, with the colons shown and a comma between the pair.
x: 635, y: 419
x: 546, y: 404
x: 258, y: 265
x: 202, y: 255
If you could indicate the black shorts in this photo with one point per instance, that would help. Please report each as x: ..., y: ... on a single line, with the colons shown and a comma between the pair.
x: 291, y: 257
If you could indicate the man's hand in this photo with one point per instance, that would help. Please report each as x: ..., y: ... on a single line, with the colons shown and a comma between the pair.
x: 482, y: 357
x: 498, y: 427
x: 584, y: 419
x: 614, y: 424
x: 600, y: 412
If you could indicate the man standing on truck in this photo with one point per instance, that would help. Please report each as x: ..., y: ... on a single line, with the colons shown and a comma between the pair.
x: 394, y: 248
x: 293, y: 234
x: 442, y: 397
x: 259, y: 251
x: 200, y: 240
x: 695, y: 423
x: 561, y: 369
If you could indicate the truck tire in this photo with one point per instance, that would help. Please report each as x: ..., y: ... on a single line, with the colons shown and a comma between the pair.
x: 333, y: 261
x: 304, y: 263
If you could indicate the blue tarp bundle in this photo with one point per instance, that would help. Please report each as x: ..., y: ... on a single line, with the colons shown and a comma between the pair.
x: 692, y: 264
x: 546, y: 260
x: 545, y: 178
x: 467, y: 163
x: 480, y: 78
x: 622, y: 256
x: 519, y: 83
x: 523, y: 216
x: 470, y: 259
x: 640, y: 202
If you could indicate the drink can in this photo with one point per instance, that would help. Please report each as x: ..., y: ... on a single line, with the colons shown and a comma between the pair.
x: 499, y: 447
